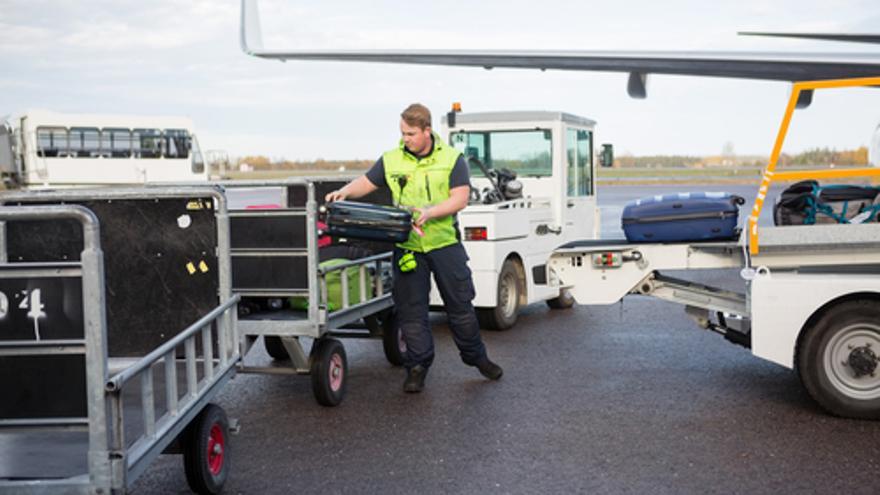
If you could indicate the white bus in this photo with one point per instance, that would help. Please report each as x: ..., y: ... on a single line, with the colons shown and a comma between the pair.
x: 46, y: 149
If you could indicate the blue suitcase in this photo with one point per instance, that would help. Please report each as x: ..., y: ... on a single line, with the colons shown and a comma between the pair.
x: 682, y: 217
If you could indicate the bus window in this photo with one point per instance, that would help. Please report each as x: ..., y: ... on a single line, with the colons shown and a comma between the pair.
x: 116, y: 142
x: 198, y: 161
x: 176, y: 143
x: 147, y: 143
x: 85, y: 142
x: 51, y: 142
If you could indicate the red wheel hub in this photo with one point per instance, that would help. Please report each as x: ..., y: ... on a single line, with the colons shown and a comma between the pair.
x: 216, y: 449
x: 336, y: 371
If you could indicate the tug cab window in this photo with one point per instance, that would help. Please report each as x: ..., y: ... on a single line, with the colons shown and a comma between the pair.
x: 526, y: 152
x: 578, y: 154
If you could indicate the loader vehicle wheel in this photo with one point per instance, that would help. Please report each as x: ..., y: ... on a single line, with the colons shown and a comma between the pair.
x: 206, y: 451
x: 563, y: 301
x: 503, y: 315
x: 275, y: 348
x: 838, y: 359
x: 329, y: 367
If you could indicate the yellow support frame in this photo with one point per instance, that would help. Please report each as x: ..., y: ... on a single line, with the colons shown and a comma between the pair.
x: 770, y: 172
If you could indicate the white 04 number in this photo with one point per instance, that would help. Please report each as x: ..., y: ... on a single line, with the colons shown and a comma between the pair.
x: 31, y: 301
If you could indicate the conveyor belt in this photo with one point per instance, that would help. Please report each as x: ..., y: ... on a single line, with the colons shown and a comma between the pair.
x: 788, y: 247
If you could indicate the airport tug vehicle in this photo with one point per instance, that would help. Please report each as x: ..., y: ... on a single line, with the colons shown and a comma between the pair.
x: 812, y: 292
x: 533, y: 189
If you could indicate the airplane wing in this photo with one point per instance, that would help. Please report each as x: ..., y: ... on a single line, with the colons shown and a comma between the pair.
x: 779, y: 66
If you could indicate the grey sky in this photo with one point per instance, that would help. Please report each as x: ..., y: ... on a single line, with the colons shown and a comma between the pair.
x: 183, y: 58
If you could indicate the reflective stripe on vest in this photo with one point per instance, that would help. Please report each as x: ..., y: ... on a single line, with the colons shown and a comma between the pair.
x: 420, y: 182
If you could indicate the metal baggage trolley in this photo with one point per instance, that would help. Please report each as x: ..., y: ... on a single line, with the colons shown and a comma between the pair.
x: 275, y: 257
x: 77, y: 418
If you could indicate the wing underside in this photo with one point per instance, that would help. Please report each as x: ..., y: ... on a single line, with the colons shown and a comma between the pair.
x: 779, y: 66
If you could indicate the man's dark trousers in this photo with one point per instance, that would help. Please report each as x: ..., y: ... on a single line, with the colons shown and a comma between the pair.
x: 411, y: 297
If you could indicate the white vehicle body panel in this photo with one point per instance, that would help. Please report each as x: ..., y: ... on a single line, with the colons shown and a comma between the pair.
x: 783, y: 302
x: 527, y: 229
x: 799, y: 270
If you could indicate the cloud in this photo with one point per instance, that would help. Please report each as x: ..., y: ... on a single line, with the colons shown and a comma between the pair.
x: 168, y: 57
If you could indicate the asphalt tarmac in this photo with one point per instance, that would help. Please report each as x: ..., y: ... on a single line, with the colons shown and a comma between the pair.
x: 628, y: 398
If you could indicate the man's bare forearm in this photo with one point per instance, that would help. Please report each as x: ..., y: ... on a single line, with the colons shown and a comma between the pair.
x: 458, y: 199
x: 357, y: 188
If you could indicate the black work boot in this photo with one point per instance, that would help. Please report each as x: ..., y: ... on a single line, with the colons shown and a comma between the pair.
x: 489, y: 369
x: 415, y: 379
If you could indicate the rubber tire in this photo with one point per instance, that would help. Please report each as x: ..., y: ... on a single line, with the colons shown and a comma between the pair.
x: 275, y: 348
x: 813, y: 370
x: 500, y: 317
x: 392, y: 341
x: 195, y: 451
x: 324, y: 352
x: 564, y: 301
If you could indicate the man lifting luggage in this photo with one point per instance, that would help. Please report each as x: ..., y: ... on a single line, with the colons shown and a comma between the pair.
x: 432, y: 178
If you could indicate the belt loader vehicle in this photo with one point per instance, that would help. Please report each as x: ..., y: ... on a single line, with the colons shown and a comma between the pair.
x: 812, y: 292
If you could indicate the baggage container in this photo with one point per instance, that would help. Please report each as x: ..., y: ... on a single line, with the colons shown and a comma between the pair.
x: 355, y: 220
x: 682, y: 217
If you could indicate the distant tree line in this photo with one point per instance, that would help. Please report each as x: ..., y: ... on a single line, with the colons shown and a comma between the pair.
x: 815, y: 156
x: 259, y: 162
x: 826, y: 156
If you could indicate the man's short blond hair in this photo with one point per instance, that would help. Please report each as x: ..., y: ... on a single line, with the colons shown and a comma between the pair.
x: 417, y: 115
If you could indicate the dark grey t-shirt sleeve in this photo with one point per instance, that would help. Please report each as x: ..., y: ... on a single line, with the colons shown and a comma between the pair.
x: 376, y: 174
x: 461, y: 175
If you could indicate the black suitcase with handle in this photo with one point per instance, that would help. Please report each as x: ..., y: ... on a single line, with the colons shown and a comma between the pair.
x: 355, y: 220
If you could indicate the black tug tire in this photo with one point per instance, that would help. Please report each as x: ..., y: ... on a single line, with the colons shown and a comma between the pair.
x: 275, y: 348
x: 503, y: 315
x: 563, y: 301
x: 206, y: 451
x: 329, y: 367
x: 838, y: 358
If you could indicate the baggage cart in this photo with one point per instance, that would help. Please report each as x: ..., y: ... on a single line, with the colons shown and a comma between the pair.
x: 94, y: 396
x: 275, y: 257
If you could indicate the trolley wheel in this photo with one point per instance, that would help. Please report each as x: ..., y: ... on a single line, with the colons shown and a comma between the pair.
x: 563, y: 301
x: 328, y: 369
x: 838, y: 359
x: 393, y: 342
x: 206, y: 451
x: 503, y: 315
x: 275, y: 348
